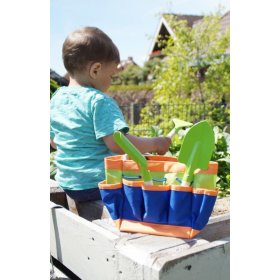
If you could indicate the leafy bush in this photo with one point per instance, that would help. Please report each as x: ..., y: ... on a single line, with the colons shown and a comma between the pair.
x: 131, y: 87
x: 155, y: 114
x: 53, y: 87
x: 131, y: 75
x: 196, y: 70
x: 151, y: 69
x: 220, y: 155
x: 52, y: 166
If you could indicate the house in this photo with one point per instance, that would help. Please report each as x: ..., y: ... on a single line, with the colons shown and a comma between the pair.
x: 129, y: 61
x: 225, y: 21
x: 164, y: 30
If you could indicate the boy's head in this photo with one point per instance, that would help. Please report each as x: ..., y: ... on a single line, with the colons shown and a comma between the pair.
x: 88, y: 46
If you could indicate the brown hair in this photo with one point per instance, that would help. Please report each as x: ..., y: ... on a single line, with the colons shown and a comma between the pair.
x: 88, y: 44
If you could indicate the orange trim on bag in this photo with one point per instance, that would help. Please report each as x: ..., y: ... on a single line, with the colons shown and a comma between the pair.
x: 156, y: 188
x: 181, y: 188
x: 118, y: 223
x: 133, y: 183
x: 206, y: 192
x: 104, y: 186
x: 156, y: 166
x: 113, y: 162
x: 161, y: 158
x: 140, y: 184
x: 158, y: 229
x: 212, y: 169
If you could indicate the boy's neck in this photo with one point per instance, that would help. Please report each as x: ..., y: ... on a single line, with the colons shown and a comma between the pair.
x: 76, y: 82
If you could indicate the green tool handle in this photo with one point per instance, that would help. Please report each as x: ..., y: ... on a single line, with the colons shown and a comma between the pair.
x: 135, y: 155
x: 188, y: 175
x: 171, y: 133
x: 187, y: 178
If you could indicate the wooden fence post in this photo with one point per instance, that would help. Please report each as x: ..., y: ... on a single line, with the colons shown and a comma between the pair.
x: 132, y: 113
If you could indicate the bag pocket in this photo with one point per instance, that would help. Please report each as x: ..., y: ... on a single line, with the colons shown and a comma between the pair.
x: 133, y: 204
x: 180, y: 210
x: 113, y: 197
x: 203, y: 202
x: 156, y: 204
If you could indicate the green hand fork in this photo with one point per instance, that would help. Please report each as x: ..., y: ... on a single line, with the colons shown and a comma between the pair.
x: 178, y: 124
x: 196, y: 150
x: 135, y: 155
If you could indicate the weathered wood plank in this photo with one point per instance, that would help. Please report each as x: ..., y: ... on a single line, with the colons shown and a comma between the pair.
x: 218, y: 227
x: 83, y: 247
x: 57, y: 195
x: 90, y: 248
x: 137, y: 257
x: 58, y: 274
x: 208, y: 261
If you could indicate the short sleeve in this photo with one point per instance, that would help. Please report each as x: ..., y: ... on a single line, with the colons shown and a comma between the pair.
x: 108, y: 118
x: 51, y: 133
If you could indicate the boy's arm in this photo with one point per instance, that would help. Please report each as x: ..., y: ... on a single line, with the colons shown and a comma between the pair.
x: 52, y: 144
x: 159, y: 145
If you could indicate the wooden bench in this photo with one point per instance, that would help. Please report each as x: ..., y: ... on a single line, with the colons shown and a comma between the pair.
x: 97, y: 250
x: 89, y: 210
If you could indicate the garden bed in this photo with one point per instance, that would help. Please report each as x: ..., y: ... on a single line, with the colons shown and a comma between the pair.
x: 222, y: 206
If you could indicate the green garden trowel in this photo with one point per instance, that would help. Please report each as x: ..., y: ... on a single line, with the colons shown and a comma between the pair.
x: 196, y: 150
x: 178, y: 125
x: 135, y: 155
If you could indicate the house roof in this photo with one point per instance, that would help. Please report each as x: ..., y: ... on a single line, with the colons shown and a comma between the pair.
x: 225, y: 21
x: 124, y: 63
x: 191, y: 19
x: 164, y: 29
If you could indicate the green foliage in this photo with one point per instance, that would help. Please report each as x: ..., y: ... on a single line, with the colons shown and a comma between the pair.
x: 220, y: 155
x: 123, y: 88
x: 151, y: 69
x: 52, y: 165
x: 219, y: 115
x: 131, y: 75
x: 195, y: 69
x: 217, y: 80
x: 135, y: 75
x: 53, y: 87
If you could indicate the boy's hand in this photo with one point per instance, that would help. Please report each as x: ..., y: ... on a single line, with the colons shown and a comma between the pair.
x: 162, y: 144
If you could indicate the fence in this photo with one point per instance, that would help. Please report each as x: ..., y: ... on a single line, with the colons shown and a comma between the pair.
x: 218, y: 113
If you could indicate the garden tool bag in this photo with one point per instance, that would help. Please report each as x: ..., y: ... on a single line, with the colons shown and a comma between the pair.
x: 166, y: 207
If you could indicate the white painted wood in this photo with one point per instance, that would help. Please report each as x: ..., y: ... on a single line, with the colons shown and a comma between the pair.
x: 137, y: 257
x: 58, y: 274
x: 83, y: 247
x: 97, y: 250
x: 209, y: 261
x: 217, y: 228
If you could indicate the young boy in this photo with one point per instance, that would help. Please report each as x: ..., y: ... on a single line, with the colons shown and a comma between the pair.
x: 84, y: 118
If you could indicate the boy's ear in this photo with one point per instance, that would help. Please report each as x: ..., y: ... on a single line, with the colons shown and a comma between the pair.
x: 94, y: 69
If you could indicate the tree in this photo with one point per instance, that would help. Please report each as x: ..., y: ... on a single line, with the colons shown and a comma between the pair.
x: 151, y: 69
x: 53, y: 87
x: 131, y: 75
x: 195, y: 61
x: 195, y: 67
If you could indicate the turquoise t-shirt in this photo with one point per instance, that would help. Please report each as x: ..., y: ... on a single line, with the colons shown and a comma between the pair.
x: 80, y: 117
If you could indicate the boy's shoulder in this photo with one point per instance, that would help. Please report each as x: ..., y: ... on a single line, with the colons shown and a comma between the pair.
x: 78, y: 90
x: 85, y: 94
x: 101, y: 96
